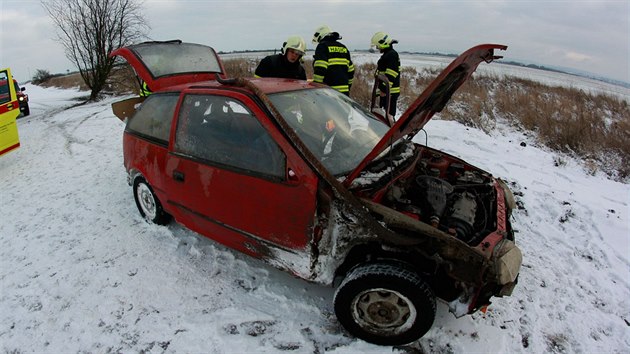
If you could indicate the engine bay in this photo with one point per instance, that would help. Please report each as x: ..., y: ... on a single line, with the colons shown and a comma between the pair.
x: 440, y: 190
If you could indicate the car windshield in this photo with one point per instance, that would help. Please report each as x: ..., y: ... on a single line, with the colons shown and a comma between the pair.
x: 337, y: 130
x: 167, y: 59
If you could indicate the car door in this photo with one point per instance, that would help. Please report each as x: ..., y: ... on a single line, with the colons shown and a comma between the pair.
x: 233, y: 177
x: 9, y: 110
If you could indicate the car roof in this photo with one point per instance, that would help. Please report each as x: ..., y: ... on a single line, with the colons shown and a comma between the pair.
x: 266, y: 85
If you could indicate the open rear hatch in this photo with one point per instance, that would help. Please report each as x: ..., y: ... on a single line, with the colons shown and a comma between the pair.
x: 166, y: 64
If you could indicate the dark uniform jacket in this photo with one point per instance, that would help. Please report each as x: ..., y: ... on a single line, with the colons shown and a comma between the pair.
x: 332, y: 64
x: 278, y: 66
x: 389, y: 65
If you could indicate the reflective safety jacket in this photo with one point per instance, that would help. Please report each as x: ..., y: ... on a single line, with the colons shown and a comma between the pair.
x: 145, y: 90
x: 389, y: 65
x: 332, y: 65
x: 278, y: 66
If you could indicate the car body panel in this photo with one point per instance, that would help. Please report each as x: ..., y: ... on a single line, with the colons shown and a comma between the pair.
x: 22, y: 98
x: 276, y: 211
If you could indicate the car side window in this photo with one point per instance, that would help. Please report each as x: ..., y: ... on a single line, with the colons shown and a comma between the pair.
x: 223, y: 131
x: 153, y: 119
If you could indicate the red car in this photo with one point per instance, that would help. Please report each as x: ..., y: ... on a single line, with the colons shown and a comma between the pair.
x: 308, y: 180
x: 22, y: 98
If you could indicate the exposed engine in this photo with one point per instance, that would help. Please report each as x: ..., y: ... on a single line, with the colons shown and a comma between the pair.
x: 446, y: 193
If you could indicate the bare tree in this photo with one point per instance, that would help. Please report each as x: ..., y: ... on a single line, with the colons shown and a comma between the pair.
x: 90, y: 29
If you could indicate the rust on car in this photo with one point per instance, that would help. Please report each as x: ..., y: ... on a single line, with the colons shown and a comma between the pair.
x: 304, y: 178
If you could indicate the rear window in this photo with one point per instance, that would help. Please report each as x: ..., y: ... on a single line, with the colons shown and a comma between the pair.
x: 164, y: 59
x: 153, y: 119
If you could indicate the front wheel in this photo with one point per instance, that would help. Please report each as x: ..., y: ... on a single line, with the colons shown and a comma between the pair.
x: 148, y: 204
x: 385, y: 304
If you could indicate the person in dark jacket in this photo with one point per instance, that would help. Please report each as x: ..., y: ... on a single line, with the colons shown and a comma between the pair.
x: 287, y: 64
x: 331, y: 63
x: 388, y: 65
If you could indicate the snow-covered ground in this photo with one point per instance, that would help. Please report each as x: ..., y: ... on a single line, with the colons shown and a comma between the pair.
x: 81, y: 271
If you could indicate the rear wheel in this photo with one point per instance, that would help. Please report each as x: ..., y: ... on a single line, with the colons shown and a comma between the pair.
x: 385, y: 304
x: 148, y: 204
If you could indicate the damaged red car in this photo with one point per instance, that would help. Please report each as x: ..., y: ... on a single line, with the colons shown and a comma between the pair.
x: 303, y: 177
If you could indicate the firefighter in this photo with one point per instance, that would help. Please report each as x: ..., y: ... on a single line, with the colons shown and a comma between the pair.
x: 331, y: 63
x: 388, y: 65
x: 287, y: 64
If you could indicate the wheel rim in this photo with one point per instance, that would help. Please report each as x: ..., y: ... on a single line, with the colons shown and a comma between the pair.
x: 147, y: 201
x: 383, y: 311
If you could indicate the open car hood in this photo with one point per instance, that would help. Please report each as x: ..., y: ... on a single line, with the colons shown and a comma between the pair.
x: 431, y: 100
x: 164, y: 64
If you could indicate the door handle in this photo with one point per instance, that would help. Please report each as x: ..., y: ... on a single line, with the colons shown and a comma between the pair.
x: 178, y: 176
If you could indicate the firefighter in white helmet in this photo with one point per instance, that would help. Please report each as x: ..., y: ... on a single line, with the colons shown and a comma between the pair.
x: 388, y: 65
x: 287, y: 64
x: 331, y: 63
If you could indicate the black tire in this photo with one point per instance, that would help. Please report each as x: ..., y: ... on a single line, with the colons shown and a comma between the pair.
x: 385, y: 304
x: 26, y: 111
x: 148, y: 204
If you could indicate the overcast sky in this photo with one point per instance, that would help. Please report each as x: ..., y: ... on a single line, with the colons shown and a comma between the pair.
x: 593, y: 36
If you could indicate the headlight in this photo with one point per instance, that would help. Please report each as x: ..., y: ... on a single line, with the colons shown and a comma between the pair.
x: 21, y: 98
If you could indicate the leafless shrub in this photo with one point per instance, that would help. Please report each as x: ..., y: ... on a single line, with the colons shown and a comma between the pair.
x: 90, y: 29
x: 40, y: 76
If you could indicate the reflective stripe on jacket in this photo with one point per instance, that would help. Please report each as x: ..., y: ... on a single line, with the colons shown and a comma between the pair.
x: 145, y: 90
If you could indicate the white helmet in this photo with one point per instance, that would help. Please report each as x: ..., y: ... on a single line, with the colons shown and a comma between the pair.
x: 320, y: 33
x: 382, y: 40
x: 296, y: 43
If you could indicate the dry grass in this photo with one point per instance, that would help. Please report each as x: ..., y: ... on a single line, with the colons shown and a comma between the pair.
x: 66, y: 81
x: 593, y: 128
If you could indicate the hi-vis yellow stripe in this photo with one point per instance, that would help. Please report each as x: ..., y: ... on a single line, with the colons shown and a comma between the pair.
x: 341, y: 88
x: 389, y: 72
x: 321, y: 64
x: 338, y: 61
